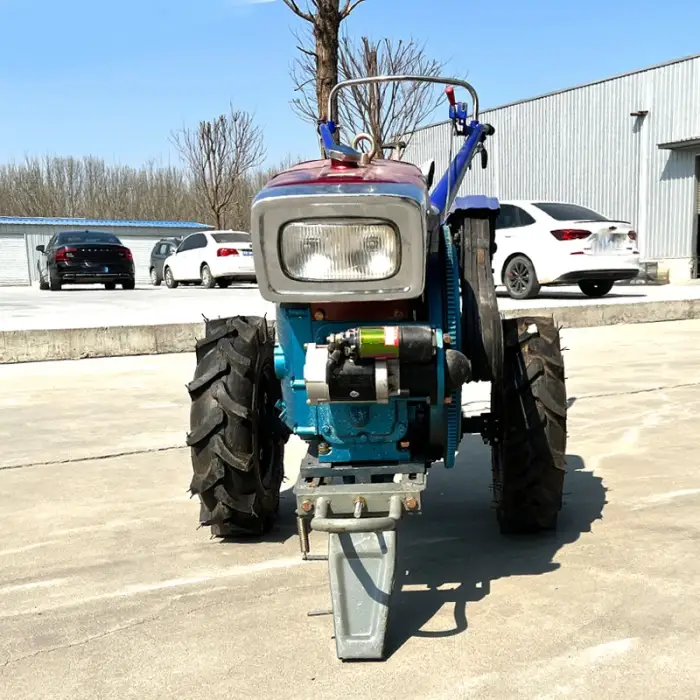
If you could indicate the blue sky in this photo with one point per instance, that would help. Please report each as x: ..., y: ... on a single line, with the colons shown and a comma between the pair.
x: 81, y: 77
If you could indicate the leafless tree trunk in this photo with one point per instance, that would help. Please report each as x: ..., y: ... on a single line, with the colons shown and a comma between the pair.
x: 219, y: 155
x: 385, y: 110
x: 326, y: 23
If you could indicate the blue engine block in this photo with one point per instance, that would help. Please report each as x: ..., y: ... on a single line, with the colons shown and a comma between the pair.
x: 372, y: 432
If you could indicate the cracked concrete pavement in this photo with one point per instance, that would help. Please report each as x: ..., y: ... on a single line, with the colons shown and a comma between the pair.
x: 108, y: 590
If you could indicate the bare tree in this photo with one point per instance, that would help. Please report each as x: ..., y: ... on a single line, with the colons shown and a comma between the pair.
x: 386, y: 110
x: 326, y: 21
x: 219, y: 155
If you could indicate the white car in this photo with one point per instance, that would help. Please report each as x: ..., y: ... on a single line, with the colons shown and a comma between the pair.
x: 211, y: 257
x: 556, y: 243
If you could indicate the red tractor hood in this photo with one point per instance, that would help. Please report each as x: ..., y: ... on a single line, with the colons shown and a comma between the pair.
x: 326, y: 172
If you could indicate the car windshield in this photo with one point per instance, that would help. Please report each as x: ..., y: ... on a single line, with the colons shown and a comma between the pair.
x: 231, y: 237
x: 87, y: 237
x: 569, y: 212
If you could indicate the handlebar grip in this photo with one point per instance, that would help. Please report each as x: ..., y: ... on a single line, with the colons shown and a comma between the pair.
x: 450, y: 92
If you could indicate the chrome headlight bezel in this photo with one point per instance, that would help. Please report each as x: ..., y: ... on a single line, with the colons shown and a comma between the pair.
x: 403, y: 206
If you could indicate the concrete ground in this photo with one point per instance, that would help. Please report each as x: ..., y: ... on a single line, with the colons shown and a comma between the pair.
x: 26, y: 308
x: 108, y: 590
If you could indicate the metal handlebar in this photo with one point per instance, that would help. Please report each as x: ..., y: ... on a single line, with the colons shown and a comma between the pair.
x: 401, y: 78
x: 322, y: 523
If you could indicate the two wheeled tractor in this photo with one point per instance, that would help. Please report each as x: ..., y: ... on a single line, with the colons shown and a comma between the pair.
x: 386, y: 308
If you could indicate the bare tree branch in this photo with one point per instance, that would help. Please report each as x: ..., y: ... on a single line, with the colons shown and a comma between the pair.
x: 349, y: 7
x: 313, y: 54
x: 385, y: 110
x: 291, y: 4
x: 219, y: 155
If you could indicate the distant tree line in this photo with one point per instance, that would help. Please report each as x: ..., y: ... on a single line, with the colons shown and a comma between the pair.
x: 221, y: 159
x: 89, y: 187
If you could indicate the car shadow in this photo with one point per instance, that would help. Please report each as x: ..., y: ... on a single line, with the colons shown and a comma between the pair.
x: 573, y: 296
x: 451, y: 553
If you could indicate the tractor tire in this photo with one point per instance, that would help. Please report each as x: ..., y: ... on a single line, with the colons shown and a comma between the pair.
x: 236, y: 435
x: 481, y: 320
x: 530, y: 405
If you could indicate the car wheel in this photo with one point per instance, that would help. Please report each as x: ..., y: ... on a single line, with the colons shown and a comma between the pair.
x: 54, y: 281
x: 129, y: 284
x: 595, y: 288
x: 208, y: 280
x: 110, y: 285
x: 43, y: 284
x: 170, y: 281
x: 155, y: 280
x: 223, y: 283
x: 520, y: 279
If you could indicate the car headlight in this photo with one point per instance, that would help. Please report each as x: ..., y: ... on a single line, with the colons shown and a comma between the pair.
x: 340, y: 250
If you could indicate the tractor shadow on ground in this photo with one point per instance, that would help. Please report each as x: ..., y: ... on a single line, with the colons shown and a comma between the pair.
x: 454, y: 550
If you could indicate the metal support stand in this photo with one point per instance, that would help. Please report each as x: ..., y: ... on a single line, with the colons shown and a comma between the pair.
x: 361, y: 567
x: 361, y: 551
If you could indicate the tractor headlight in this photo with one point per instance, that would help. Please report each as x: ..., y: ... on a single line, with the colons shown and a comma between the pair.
x: 340, y: 242
x: 340, y: 250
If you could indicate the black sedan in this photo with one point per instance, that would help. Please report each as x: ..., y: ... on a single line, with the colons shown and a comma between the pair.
x: 85, y: 257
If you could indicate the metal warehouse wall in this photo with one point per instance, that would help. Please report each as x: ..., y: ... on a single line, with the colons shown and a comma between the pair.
x: 582, y: 145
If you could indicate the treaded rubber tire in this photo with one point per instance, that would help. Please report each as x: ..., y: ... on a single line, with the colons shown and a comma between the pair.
x: 529, y: 454
x: 130, y: 284
x: 236, y: 435
x: 110, y: 286
x: 533, y: 289
x: 155, y: 280
x: 595, y: 288
x: 481, y: 320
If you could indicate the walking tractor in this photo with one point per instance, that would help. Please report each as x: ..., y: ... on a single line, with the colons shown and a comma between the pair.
x: 385, y: 309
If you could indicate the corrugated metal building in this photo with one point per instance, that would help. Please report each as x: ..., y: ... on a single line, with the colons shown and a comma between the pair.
x: 627, y: 146
x: 19, y: 237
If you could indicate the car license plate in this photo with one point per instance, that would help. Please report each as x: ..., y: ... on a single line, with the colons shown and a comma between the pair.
x: 247, y: 252
x: 106, y: 269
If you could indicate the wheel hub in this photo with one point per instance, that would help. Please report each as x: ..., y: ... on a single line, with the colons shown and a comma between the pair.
x: 519, y: 277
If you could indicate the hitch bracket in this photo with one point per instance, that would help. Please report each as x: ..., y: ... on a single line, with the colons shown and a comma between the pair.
x: 362, y: 570
x: 361, y: 553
